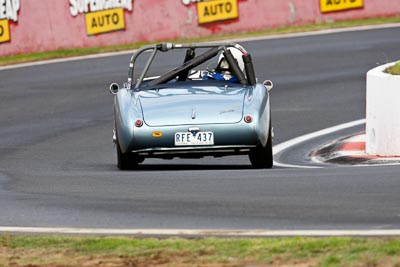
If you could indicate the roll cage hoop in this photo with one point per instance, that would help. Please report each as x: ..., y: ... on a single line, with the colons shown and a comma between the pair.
x: 191, y: 61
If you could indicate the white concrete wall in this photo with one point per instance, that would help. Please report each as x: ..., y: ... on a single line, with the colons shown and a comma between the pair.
x: 383, y: 113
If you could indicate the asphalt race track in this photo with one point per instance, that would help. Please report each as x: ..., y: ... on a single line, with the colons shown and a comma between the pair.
x: 58, y: 162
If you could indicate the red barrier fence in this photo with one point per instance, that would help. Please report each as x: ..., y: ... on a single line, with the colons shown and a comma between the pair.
x: 42, y: 25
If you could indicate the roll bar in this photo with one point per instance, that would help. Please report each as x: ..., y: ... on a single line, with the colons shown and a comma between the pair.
x: 215, y: 48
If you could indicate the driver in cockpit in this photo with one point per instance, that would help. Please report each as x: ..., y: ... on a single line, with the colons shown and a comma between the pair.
x: 223, y: 72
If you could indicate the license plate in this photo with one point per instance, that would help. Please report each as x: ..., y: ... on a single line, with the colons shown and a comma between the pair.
x: 194, y: 139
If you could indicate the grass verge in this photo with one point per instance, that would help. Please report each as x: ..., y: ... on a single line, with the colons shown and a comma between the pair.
x: 394, y: 70
x: 95, y: 50
x: 48, y: 251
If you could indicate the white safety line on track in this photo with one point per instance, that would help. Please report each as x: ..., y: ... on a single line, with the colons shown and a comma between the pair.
x: 246, y: 39
x: 68, y: 59
x: 200, y: 233
x: 298, y: 140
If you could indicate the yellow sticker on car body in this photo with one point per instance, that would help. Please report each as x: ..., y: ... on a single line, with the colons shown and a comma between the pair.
x: 157, y: 134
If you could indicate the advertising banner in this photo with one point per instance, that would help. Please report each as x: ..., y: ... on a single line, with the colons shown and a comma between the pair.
x: 338, y: 5
x: 101, y: 16
x: 217, y: 10
x: 8, y: 12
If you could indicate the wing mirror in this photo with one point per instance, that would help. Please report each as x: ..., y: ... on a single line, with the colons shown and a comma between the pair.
x: 268, y: 84
x: 114, y: 87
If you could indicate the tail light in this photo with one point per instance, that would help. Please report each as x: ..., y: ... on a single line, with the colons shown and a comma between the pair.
x: 139, y: 123
x: 248, y: 119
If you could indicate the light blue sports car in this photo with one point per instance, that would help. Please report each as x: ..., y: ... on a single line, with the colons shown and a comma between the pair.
x: 198, y: 100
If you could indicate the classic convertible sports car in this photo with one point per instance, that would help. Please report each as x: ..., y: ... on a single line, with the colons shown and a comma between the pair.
x: 207, y: 103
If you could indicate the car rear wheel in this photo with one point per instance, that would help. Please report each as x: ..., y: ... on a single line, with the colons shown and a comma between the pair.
x: 261, y: 157
x: 127, y: 161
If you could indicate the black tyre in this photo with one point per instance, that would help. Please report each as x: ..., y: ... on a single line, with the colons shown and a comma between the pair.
x: 127, y: 161
x: 262, y: 157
